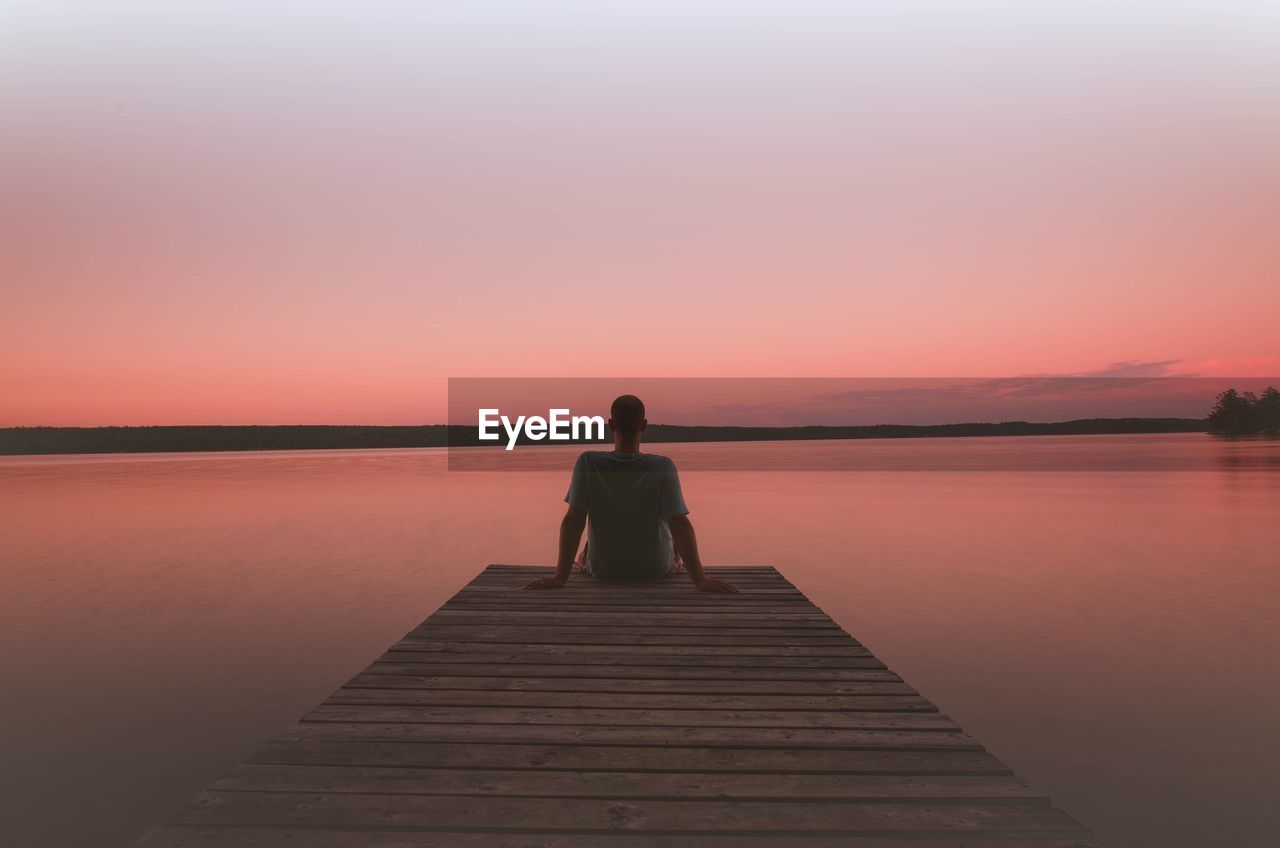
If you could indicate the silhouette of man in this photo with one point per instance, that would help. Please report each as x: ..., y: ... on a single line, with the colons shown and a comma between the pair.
x: 639, y: 527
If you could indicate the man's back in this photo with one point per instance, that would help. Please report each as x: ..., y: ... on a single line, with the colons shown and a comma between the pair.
x: 627, y: 498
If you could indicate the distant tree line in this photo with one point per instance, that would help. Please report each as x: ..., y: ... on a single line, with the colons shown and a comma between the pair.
x: 63, y: 440
x: 1246, y: 414
x: 164, y: 439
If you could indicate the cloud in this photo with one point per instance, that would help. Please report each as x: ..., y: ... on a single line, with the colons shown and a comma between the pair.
x: 1130, y: 368
x: 1137, y: 368
x: 1121, y: 389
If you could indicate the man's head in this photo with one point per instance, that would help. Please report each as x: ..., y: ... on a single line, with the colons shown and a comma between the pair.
x: 626, y: 416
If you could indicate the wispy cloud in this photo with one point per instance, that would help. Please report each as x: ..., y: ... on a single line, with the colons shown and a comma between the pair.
x: 1138, y: 368
x: 1121, y: 389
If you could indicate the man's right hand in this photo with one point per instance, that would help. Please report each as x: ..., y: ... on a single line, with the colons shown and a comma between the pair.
x: 710, y: 584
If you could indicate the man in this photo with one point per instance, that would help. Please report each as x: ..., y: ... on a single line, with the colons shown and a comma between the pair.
x: 633, y: 504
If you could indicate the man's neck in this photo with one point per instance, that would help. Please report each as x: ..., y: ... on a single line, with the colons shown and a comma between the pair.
x: 626, y: 444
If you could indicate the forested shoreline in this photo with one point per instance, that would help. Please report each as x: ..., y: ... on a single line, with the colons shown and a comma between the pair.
x: 1246, y: 414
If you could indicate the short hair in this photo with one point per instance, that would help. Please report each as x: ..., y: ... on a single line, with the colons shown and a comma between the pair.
x: 627, y: 412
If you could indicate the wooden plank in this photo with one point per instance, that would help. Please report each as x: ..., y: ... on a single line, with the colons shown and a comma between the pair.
x: 643, y: 700
x: 679, y: 583
x: 561, y: 649
x: 676, y: 586
x: 748, y: 570
x: 604, y: 588
x: 679, y: 580
x: 631, y: 717
x: 585, y: 659
x: 819, y: 627
x: 688, y: 609
x: 668, y: 591
x: 196, y: 836
x: 737, y: 737
x: 804, y: 630
x: 676, y: 671
x: 632, y: 758
x: 604, y: 596
x: 606, y: 715
x: 680, y: 577
x: 673, y: 589
x: 858, y: 682
x: 624, y: 636
x: 660, y: 816
x: 626, y: 784
x: 635, y: 610
x: 604, y: 618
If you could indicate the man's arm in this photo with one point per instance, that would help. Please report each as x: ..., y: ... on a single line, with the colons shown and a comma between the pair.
x: 686, y: 543
x: 571, y: 527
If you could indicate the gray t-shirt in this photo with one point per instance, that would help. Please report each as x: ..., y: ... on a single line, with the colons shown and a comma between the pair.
x: 628, y: 498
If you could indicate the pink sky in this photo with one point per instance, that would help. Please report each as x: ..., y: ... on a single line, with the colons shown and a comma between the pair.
x: 237, y: 216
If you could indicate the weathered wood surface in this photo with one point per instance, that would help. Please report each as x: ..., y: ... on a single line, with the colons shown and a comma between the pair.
x: 623, y: 716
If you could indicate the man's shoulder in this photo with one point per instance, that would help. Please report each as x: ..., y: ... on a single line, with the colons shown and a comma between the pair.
x: 658, y: 462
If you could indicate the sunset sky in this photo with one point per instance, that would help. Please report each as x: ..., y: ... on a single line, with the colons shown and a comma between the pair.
x: 313, y: 212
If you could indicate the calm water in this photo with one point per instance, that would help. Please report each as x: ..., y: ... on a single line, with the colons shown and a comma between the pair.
x: 1111, y: 635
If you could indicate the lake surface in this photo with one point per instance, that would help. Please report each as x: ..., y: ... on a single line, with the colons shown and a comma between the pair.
x: 1112, y: 635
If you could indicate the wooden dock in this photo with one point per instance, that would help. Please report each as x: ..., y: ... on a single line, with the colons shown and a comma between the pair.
x: 623, y: 716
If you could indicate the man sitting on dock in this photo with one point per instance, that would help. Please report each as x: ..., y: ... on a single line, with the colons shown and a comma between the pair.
x: 631, y: 503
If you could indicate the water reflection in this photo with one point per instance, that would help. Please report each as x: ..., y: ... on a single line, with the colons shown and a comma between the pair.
x: 1113, y: 636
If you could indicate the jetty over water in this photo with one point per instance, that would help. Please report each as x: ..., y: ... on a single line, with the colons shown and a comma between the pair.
x: 610, y: 715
